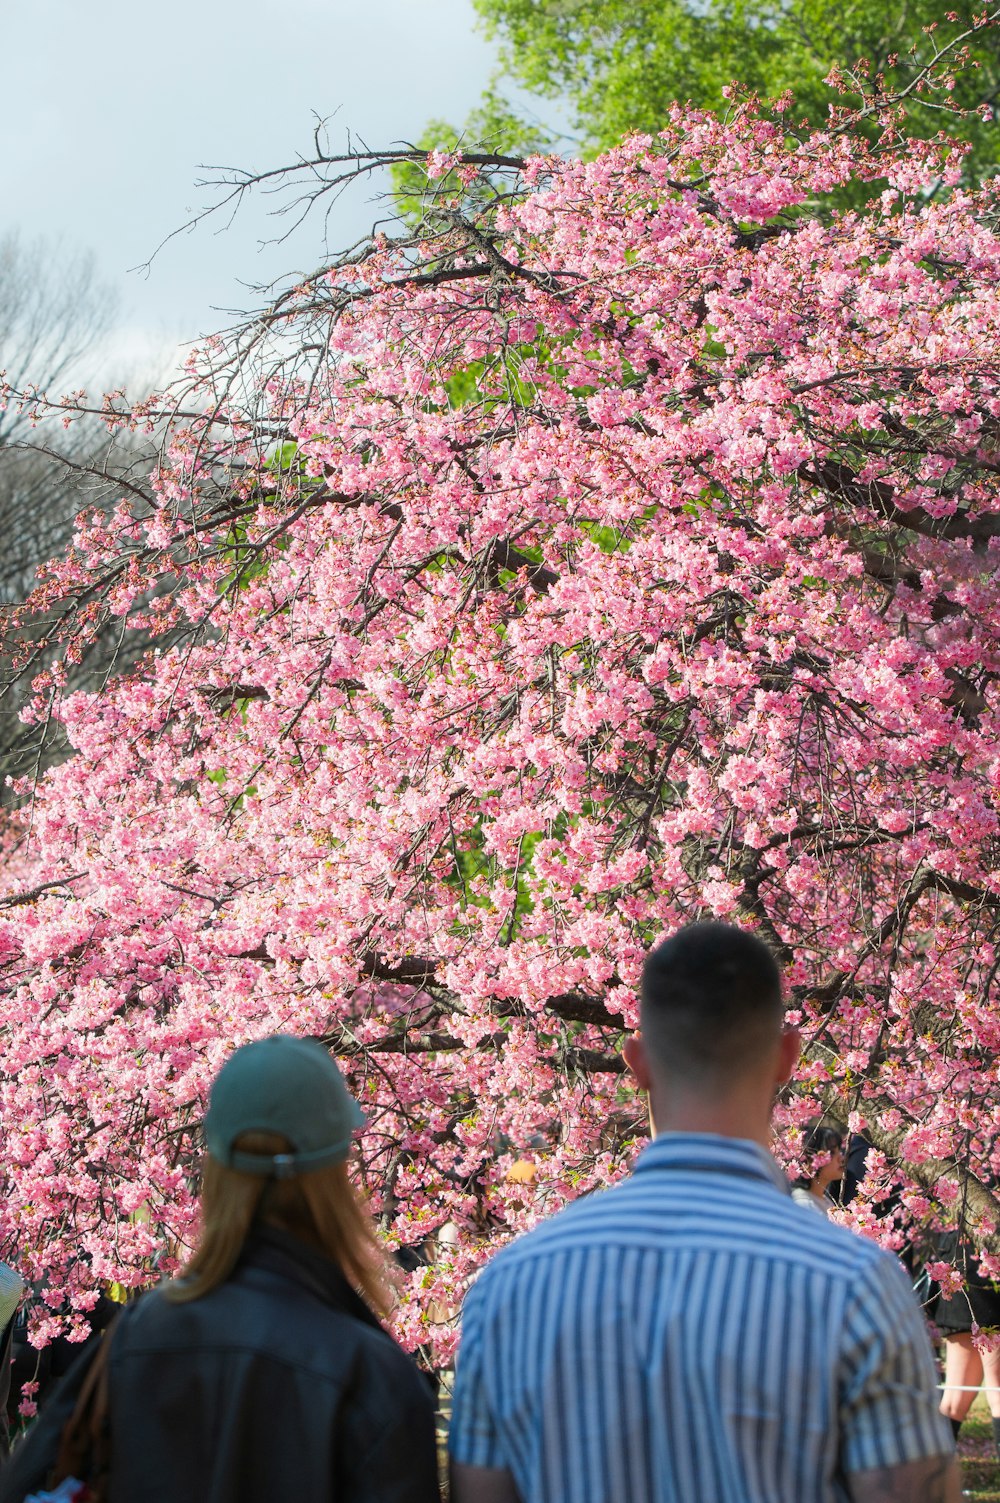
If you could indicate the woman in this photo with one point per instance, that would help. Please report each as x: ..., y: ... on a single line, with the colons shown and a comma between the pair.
x: 823, y: 1152
x: 262, y: 1373
x: 966, y: 1367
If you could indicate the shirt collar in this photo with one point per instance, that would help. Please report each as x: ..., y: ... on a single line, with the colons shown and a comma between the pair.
x: 706, y: 1152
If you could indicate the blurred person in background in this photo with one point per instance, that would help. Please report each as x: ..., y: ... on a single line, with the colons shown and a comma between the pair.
x: 966, y: 1366
x: 823, y: 1157
x: 11, y: 1290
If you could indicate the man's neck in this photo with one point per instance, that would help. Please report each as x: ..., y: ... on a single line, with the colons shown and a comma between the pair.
x: 726, y: 1118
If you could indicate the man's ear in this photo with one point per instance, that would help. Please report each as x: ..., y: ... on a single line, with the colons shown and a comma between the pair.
x: 789, y: 1053
x: 634, y: 1055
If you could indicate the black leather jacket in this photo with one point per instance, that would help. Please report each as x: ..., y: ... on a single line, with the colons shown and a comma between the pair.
x: 280, y: 1384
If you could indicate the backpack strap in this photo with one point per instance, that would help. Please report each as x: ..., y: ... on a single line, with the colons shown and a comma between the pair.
x: 85, y: 1443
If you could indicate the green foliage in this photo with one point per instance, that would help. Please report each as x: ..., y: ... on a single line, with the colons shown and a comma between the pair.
x: 282, y: 461
x: 608, y: 539
x: 494, y: 125
x: 621, y: 64
x: 462, y: 385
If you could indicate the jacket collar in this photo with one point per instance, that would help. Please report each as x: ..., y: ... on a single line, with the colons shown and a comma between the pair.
x: 703, y: 1152
x: 279, y: 1252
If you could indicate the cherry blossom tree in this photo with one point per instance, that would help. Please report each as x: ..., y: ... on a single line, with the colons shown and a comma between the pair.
x: 620, y: 548
x: 56, y: 321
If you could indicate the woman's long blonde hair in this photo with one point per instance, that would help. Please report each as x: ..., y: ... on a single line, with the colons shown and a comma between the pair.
x: 321, y: 1207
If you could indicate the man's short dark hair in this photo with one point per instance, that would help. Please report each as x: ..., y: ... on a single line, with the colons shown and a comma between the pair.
x: 711, y: 1001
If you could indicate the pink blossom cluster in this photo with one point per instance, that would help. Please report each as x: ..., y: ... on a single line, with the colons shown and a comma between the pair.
x: 649, y: 571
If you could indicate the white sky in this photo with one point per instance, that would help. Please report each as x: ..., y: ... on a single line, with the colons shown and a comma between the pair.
x: 111, y: 106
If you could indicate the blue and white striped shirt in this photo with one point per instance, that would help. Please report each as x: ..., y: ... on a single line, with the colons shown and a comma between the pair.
x: 693, y: 1336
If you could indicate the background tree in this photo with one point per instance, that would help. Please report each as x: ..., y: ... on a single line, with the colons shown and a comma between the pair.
x: 55, y: 317
x: 619, y: 65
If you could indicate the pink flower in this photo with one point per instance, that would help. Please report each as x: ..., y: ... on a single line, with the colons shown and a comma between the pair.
x: 647, y: 574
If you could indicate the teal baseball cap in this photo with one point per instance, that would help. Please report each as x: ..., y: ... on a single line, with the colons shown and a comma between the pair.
x: 283, y: 1085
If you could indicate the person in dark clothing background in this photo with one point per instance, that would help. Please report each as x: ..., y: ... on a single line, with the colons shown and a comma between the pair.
x: 263, y: 1373
x: 35, y: 1371
x: 854, y: 1167
x: 11, y: 1290
x: 965, y: 1366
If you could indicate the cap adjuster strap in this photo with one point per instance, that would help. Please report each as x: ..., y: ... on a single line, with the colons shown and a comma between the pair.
x: 287, y: 1165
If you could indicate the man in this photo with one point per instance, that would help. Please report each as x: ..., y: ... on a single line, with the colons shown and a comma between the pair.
x: 691, y: 1335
